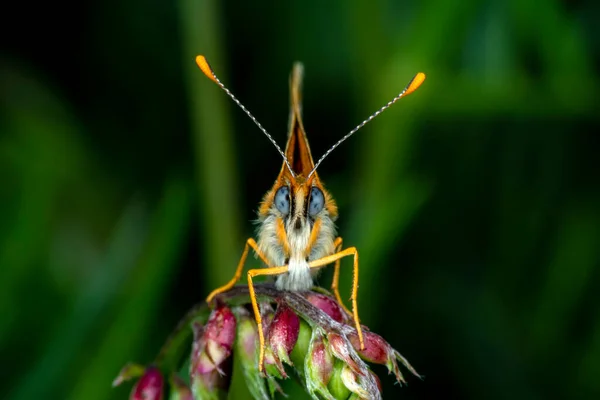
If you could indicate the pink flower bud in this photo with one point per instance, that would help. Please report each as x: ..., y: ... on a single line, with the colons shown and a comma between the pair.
x: 149, y: 387
x: 355, y: 374
x: 321, y: 360
x: 378, y: 351
x: 283, y: 332
x: 341, y: 348
x: 376, y: 348
x: 282, y: 336
x: 210, y: 367
x: 327, y: 305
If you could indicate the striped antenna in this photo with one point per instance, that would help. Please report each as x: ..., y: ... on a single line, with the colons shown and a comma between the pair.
x: 413, y: 85
x: 205, y: 67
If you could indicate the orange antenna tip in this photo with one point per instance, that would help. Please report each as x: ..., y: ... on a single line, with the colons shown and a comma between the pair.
x: 205, y: 67
x: 415, y: 83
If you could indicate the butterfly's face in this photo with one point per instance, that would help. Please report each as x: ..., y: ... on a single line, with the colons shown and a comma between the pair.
x: 296, y: 226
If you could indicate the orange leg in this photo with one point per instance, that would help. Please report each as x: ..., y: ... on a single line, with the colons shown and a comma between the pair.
x: 350, y: 251
x: 261, y: 336
x: 336, y: 276
x: 238, y: 272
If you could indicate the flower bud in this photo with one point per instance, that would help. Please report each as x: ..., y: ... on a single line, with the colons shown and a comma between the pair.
x: 210, y: 368
x: 354, y: 373
x: 327, y: 305
x: 246, y: 349
x: 336, y: 387
x: 319, y: 367
x: 353, y: 382
x: 282, y: 336
x: 342, y: 349
x: 321, y: 360
x: 179, y: 389
x: 149, y: 386
x: 378, y: 351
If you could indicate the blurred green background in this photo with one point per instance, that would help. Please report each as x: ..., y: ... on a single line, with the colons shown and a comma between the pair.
x: 130, y: 181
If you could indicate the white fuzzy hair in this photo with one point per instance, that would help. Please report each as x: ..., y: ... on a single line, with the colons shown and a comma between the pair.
x: 299, y: 277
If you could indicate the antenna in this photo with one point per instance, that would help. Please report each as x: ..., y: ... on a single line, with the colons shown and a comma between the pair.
x: 205, y: 67
x: 413, y: 85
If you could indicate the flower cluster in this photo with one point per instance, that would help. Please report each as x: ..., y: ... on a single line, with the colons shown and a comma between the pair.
x: 307, y: 334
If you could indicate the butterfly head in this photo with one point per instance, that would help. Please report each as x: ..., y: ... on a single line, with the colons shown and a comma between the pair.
x: 297, y: 220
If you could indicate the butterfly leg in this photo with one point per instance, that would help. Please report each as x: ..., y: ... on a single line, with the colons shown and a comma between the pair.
x: 238, y: 272
x: 336, y: 276
x: 261, y: 336
x: 350, y: 251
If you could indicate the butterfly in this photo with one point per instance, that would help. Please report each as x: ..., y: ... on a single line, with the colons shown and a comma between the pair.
x: 297, y: 235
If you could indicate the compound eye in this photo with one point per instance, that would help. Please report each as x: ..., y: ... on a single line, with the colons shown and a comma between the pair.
x: 282, y: 200
x: 317, y: 202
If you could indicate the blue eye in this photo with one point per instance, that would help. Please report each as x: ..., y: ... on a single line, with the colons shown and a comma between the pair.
x: 317, y: 202
x: 282, y: 200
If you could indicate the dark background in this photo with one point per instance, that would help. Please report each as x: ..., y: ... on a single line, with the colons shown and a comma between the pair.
x: 129, y: 181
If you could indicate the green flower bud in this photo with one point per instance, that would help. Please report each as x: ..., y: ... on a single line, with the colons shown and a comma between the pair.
x: 319, y: 367
x: 246, y: 348
x: 179, y: 389
x: 354, y: 383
